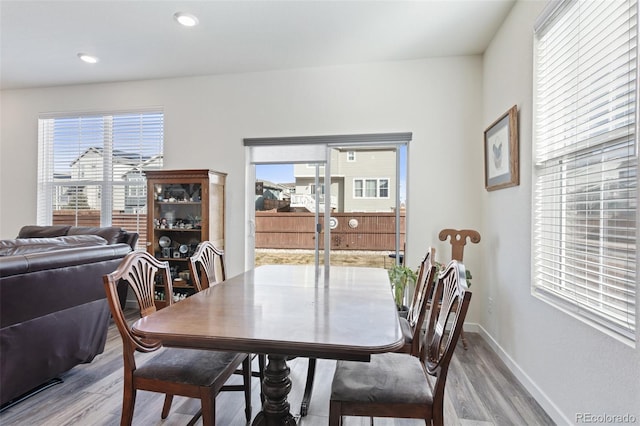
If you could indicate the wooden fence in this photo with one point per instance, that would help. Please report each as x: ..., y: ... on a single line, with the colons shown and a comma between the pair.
x: 353, y: 231
x: 275, y: 230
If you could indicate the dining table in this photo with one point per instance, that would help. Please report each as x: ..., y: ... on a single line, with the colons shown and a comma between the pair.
x: 283, y: 311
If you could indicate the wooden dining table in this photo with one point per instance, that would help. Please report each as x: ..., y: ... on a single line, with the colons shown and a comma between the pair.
x: 282, y: 311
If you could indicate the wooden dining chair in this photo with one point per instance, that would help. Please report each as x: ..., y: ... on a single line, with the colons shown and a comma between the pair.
x: 458, y: 240
x: 398, y: 385
x: 192, y: 373
x: 412, y: 325
x: 206, y: 269
x: 206, y: 266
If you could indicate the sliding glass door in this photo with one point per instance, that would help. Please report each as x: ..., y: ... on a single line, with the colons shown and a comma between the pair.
x: 326, y: 202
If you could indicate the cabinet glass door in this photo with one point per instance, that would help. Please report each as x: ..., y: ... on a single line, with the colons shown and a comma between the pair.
x: 177, y: 224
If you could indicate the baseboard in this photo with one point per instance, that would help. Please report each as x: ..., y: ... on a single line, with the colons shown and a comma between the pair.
x: 545, y: 402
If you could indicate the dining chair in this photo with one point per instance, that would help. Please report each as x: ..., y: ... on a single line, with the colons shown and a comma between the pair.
x: 400, y: 385
x: 412, y: 325
x: 191, y: 373
x: 207, y: 268
x: 458, y: 239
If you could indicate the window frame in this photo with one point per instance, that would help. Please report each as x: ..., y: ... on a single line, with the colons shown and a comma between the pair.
x: 378, y: 188
x: 558, y: 175
x: 63, y: 143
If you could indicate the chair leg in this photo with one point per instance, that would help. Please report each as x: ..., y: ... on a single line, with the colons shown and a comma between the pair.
x: 208, y: 401
x: 168, y: 399
x: 246, y: 378
x: 128, y: 404
x: 335, y: 416
x: 262, y: 363
x: 308, y: 388
x: 464, y: 341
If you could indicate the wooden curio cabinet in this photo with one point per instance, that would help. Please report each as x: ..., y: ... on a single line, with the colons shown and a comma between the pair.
x: 185, y: 208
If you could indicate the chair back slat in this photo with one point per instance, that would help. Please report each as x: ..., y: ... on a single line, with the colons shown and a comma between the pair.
x: 424, y: 287
x: 446, y: 319
x: 141, y: 272
x: 207, y: 266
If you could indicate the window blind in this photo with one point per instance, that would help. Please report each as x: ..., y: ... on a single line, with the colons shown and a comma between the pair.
x: 91, y: 168
x: 586, y: 160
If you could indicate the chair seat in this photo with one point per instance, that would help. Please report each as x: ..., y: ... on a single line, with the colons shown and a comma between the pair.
x: 407, y: 331
x: 388, y: 378
x: 188, y: 366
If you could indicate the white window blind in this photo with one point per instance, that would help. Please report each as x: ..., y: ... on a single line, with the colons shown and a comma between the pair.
x: 586, y: 160
x: 91, y: 168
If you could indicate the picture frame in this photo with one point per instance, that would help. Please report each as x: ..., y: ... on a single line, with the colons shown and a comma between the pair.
x: 501, y: 157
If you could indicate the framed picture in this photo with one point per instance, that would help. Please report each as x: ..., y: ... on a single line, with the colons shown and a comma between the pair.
x: 501, y: 167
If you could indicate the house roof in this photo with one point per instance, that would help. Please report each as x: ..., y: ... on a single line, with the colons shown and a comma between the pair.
x: 122, y: 157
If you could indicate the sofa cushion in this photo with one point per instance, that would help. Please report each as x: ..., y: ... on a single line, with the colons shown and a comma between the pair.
x: 33, y: 231
x: 112, y: 234
x: 36, y: 245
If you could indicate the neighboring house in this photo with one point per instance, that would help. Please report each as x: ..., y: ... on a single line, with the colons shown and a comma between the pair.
x: 128, y: 168
x: 62, y: 194
x: 266, y: 190
x: 362, y: 180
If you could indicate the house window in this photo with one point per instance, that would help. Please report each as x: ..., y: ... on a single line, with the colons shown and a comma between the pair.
x: 383, y: 188
x: 371, y: 188
x: 91, y: 168
x: 585, y: 171
x: 358, y: 191
x: 312, y: 189
x: 351, y: 156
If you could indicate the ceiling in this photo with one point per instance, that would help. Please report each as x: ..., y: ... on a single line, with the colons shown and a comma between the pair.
x: 135, y: 40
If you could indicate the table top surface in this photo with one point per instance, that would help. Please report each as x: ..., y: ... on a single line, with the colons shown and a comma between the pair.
x: 286, y: 309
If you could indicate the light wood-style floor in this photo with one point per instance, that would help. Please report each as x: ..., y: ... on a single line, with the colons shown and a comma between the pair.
x: 480, y: 391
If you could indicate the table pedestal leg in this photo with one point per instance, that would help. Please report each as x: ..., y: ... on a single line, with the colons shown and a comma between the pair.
x: 276, y: 386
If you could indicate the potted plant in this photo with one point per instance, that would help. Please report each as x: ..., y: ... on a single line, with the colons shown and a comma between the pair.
x: 400, y: 277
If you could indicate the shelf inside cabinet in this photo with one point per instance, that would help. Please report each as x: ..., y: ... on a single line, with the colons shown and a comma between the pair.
x: 177, y: 229
x: 183, y: 285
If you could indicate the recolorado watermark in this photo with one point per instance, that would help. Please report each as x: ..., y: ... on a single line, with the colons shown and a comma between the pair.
x: 605, y: 418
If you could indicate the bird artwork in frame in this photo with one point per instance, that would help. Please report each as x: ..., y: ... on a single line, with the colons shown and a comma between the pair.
x: 501, y: 166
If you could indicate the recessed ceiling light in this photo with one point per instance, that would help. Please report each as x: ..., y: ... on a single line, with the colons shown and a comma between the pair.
x: 186, y: 19
x: 87, y: 58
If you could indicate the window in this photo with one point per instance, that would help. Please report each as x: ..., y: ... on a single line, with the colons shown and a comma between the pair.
x: 91, y: 169
x: 384, y: 188
x: 357, y: 188
x: 371, y: 188
x: 351, y: 156
x: 585, y: 173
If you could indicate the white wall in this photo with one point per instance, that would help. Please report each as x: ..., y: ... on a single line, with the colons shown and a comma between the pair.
x: 570, y: 367
x: 446, y: 103
x: 206, y: 118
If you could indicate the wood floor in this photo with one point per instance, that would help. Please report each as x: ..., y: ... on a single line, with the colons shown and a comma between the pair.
x: 480, y: 391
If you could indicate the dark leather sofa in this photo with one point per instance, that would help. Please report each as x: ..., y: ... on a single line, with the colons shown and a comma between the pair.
x: 53, y: 308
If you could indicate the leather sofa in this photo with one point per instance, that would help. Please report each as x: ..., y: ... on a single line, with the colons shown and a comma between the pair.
x: 53, y: 308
